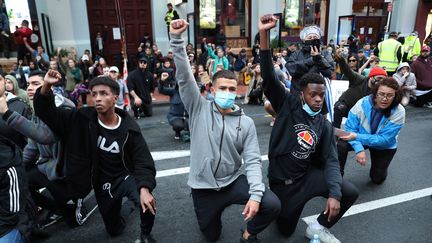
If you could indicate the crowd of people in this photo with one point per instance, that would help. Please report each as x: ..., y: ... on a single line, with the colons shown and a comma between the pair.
x: 69, y: 125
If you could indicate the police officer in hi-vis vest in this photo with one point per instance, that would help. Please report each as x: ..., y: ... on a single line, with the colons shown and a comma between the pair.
x: 171, y: 15
x: 389, y: 53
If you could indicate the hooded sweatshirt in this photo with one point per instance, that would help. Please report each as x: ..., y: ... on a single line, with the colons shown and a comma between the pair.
x: 409, y: 81
x: 43, y: 146
x: 16, y: 89
x: 422, y: 68
x: 218, y: 142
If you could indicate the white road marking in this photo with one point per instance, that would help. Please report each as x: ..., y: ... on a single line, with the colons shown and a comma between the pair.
x: 380, y: 203
x: 355, y: 209
x: 184, y: 170
x: 162, y: 155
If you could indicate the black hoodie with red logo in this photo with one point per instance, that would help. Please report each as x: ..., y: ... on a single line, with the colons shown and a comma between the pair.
x: 298, y: 140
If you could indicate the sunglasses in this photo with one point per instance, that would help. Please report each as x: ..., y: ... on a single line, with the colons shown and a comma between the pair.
x: 352, y: 60
x: 143, y: 62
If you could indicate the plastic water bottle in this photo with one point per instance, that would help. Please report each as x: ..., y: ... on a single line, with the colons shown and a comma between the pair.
x: 315, y: 239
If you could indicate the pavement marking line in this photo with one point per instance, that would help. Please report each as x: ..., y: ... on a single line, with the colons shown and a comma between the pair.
x: 162, y: 155
x: 380, y: 203
x: 184, y: 170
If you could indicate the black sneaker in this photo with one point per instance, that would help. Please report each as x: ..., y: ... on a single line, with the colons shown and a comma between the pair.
x: 147, y: 239
x: 177, y: 136
x: 80, y: 212
x: 51, y: 219
x: 250, y: 239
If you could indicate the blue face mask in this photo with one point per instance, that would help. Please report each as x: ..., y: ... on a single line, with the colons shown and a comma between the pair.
x: 225, y: 100
x: 310, y: 111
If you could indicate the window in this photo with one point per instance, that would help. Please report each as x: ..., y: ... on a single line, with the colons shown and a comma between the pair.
x: 231, y: 15
x: 300, y: 13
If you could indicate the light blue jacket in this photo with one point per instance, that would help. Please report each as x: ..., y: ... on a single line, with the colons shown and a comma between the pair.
x: 359, y: 120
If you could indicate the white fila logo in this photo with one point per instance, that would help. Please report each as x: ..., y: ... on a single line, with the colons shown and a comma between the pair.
x: 113, y: 148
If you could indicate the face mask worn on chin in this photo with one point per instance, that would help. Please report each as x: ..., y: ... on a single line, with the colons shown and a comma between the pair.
x: 310, y: 111
x: 225, y: 100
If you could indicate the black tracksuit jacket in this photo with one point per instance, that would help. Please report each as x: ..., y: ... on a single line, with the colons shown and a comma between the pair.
x: 78, y: 129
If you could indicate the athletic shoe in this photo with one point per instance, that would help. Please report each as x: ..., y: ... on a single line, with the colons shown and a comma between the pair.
x: 324, y: 235
x: 185, y: 137
x: 147, y: 239
x: 80, y: 212
x: 177, y: 136
x: 250, y: 239
x: 51, y: 219
x: 428, y: 105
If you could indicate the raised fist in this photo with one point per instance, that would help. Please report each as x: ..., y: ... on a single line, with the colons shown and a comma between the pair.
x: 267, y: 22
x: 178, y: 26
x: 52, y: 77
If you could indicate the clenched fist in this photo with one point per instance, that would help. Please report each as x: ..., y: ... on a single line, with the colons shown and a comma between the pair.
x: 267, y: 22
x: 178, y: 26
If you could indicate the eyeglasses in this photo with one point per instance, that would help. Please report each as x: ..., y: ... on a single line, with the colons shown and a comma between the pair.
x: 352, y: 60
x: 385, y: 96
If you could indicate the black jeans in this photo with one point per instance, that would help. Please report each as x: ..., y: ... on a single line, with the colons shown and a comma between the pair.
x: 109, y: 196
x: 147, y: 109
x: 423, y: 99
x: 57, y: 188
x: 209, y: 205
x: 341, y: 110
x: 294, y: 196
x: 380, y: 160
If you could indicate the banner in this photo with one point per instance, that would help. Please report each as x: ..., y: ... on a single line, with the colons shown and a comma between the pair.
x: 17, y: 11
x: 207, y: 12
x: 337, y: 87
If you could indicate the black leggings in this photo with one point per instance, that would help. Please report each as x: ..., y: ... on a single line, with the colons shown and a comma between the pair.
x: 294, y: 196
x: 57, y: 189
x: 209, y: 205
x: 380, y: 160
x: 180, y: 124
x: 341, y: 110
x: 423, y: 99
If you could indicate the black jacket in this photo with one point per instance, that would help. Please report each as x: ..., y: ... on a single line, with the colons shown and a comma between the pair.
x: 78, y: 131
x: 142, y: 83
x: 358, y: 85
x: 298, y: 141
x: 301, y: 62
x: 11, y: 141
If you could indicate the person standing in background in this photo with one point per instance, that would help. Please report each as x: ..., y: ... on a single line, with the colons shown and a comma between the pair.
x: 170, y: 15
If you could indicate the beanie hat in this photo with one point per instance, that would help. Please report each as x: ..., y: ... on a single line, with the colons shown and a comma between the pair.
x: 377, y: 71
x: 312, y: 29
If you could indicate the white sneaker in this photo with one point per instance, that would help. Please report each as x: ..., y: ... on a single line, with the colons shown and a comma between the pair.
x: 324, y: 235
x: 428, y: 105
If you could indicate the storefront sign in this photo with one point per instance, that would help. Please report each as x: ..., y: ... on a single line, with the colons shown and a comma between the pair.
x: 207, y: 14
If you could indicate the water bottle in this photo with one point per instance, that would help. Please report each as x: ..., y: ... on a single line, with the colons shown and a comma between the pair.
x: 315, y: 239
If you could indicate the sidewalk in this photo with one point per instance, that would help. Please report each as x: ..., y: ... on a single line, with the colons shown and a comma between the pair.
x: 164, y: 99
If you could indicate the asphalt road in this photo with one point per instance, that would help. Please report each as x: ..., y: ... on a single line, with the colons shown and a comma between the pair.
x: 409, y: 220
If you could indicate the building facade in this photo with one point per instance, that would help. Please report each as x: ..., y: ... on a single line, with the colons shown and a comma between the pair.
x: 76, y: 22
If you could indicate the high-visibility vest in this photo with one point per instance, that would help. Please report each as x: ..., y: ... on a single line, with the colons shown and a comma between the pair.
x: 413, y: 42
x: 388, y: 54
x: 169, y: 16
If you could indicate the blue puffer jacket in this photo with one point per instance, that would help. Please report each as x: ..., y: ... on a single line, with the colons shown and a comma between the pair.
x: 359, y: 119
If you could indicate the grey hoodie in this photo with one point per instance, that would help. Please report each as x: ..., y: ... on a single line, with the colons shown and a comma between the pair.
x: 218, y: 143
x: 43, y: 146
x: 409, y: 81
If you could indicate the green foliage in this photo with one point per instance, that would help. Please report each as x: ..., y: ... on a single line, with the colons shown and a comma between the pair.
x: 274, y: 43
